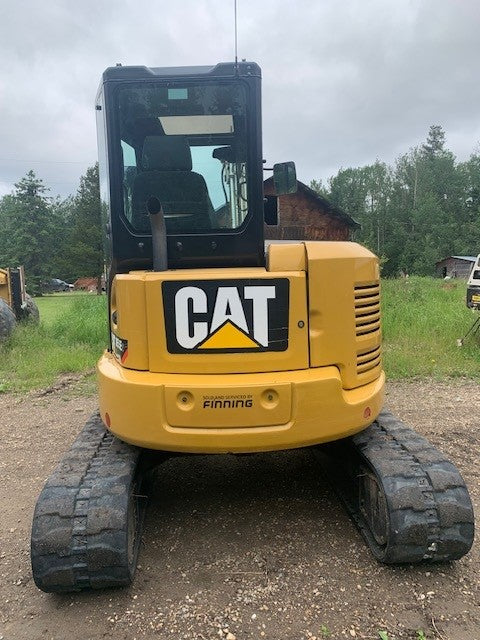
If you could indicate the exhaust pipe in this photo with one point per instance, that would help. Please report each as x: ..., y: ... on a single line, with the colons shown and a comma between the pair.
x: 159, y: 234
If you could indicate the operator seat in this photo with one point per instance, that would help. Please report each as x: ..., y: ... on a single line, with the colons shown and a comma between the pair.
x: 166, y: 173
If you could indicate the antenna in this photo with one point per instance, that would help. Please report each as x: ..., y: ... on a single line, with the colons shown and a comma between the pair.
x: 236, y: 39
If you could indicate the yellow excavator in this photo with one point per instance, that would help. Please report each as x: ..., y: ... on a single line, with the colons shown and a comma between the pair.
x: 218, y: 345
x: 15, y: 303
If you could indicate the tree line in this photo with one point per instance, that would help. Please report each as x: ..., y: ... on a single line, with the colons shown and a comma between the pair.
x: 420, y: 210
x: 52, y: 237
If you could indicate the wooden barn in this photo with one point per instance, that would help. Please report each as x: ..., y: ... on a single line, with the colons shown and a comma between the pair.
x: 455, y: 267
x: 304, y: 215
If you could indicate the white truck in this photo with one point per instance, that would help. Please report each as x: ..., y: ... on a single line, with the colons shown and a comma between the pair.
x: 473, y: 286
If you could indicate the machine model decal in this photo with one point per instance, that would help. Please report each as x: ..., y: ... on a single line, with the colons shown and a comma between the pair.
x: 119, y: 348
x: 226, y: 316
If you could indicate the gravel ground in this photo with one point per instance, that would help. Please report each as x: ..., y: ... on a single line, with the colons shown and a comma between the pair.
x: 239, y: 547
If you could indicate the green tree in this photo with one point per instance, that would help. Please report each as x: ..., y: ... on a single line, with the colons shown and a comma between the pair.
x: 430, y: 176
x: 435, y: 143
x: 425, y: 207
x: 365, y: 193
x: 469, y: 214
x: 28, y: 230
x: 377, y: 183
x: 85, y: 256
x: 320, y: 188
x: 348, y: 191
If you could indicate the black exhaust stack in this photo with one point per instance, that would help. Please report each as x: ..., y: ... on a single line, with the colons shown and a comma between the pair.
x: 159, y: 234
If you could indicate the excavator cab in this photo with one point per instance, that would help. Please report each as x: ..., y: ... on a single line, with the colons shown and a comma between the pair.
x: 217, y: 346
x: 190, y: 137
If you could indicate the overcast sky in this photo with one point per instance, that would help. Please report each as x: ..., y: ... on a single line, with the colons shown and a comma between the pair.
x: 344, y: 81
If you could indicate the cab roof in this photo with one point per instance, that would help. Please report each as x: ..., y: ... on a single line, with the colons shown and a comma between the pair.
x: 222, y: 69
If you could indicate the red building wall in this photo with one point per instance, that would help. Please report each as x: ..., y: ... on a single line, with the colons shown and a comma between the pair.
x: 301, y: 216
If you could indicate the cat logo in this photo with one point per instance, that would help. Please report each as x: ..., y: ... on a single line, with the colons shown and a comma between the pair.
x: 226, y: 316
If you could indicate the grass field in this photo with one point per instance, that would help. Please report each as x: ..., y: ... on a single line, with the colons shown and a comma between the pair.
x: 422, y: 319
x: 69, y: 339
x: 52, y: 306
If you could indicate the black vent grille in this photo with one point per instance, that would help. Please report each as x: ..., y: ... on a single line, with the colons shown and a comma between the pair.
x: 369, y: 360
x: 367, y: 309
x: 367, y: 329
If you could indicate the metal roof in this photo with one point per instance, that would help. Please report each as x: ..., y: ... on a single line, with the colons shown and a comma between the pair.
x: 466, y: 258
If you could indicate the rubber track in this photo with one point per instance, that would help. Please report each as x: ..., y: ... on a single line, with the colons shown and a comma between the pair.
x: 429, y: 511
x: 80, y: 524
x: 7, y: 320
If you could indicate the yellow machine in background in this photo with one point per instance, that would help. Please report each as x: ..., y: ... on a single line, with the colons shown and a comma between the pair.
x: 218, y: 345
x: 15, y: 303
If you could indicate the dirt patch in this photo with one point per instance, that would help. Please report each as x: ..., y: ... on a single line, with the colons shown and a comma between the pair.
x: 239, y: 546
x: 65, y: 381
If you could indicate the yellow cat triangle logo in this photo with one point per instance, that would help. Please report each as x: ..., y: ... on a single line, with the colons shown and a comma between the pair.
x: 228, y: 336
